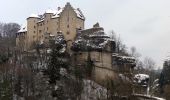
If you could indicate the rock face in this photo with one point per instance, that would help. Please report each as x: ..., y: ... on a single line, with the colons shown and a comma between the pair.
x: 93, y: 91
x: 93, y: 43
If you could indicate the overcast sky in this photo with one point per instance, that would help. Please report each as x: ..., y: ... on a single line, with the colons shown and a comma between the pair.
x: 140, y: 23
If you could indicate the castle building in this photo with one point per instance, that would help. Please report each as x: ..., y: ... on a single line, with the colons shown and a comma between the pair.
x: 40, y: 27
x: 82, y: 44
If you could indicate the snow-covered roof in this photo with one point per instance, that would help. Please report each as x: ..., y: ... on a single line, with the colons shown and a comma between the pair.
x: 57, y: 13
x: 79, y: 13
x: 33, y: 16
x: 50, y: 11
x: 41, y: 20
x: 23, y: 29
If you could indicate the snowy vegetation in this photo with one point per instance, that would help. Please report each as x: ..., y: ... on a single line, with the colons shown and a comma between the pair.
x: 49, y: 75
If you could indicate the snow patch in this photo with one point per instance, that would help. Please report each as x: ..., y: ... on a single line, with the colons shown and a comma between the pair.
x: 23, y: 29
x: 34, y: 16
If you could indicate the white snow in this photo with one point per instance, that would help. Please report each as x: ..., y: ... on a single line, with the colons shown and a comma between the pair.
x: 104, y: 43
x: 141, y: 77
x: 127, y: 57
x: 79, y: 13
x: 41, y: 42
x: 50, y: 11
x: 41, y: 20
x: 62, y: 50
x: 57, y: 13
x: 23, y: 29
x: 49, y: 51
x: 63, y: 71
x: 157, y: 98
x: 34, y: 16
x: 52, y: 35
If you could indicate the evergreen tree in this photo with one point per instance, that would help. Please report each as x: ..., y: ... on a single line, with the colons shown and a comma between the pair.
x: 165, y: 75
x: 55, y: 63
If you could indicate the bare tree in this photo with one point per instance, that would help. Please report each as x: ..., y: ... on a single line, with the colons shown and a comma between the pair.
x: 120, y: 46
x: 149, y: 63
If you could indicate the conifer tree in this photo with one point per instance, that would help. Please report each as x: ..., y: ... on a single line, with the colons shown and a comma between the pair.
x: 56, y: 62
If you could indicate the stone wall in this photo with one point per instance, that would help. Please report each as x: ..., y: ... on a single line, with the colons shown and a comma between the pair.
x: 103, y: 68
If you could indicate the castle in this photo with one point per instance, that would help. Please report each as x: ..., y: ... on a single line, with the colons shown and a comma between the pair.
x: 81, y: 43
x: 40, y: 27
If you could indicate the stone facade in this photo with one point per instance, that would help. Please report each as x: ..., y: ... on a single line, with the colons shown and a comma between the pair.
x: 40, y: 27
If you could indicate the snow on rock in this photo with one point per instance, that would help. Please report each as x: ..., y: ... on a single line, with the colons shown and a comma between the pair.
x: 126, y: 59
x: 121, y: 60
x: 49, y: 51
x: 96, y: 40
x: 157, y: 98
x: 63, y: 50
x: 141, y: 79
x: 93, y: 91
x: 63, y: 71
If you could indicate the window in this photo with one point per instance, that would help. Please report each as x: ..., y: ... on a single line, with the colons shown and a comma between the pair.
x: 34, y: 31
x: 34, y: 27
x: 67, y: 26
x: 68, y: 32
x: 47, y: 28
x: 39, y: 31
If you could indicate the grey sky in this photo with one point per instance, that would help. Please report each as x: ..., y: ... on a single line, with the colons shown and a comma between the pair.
x: 140, y: 23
